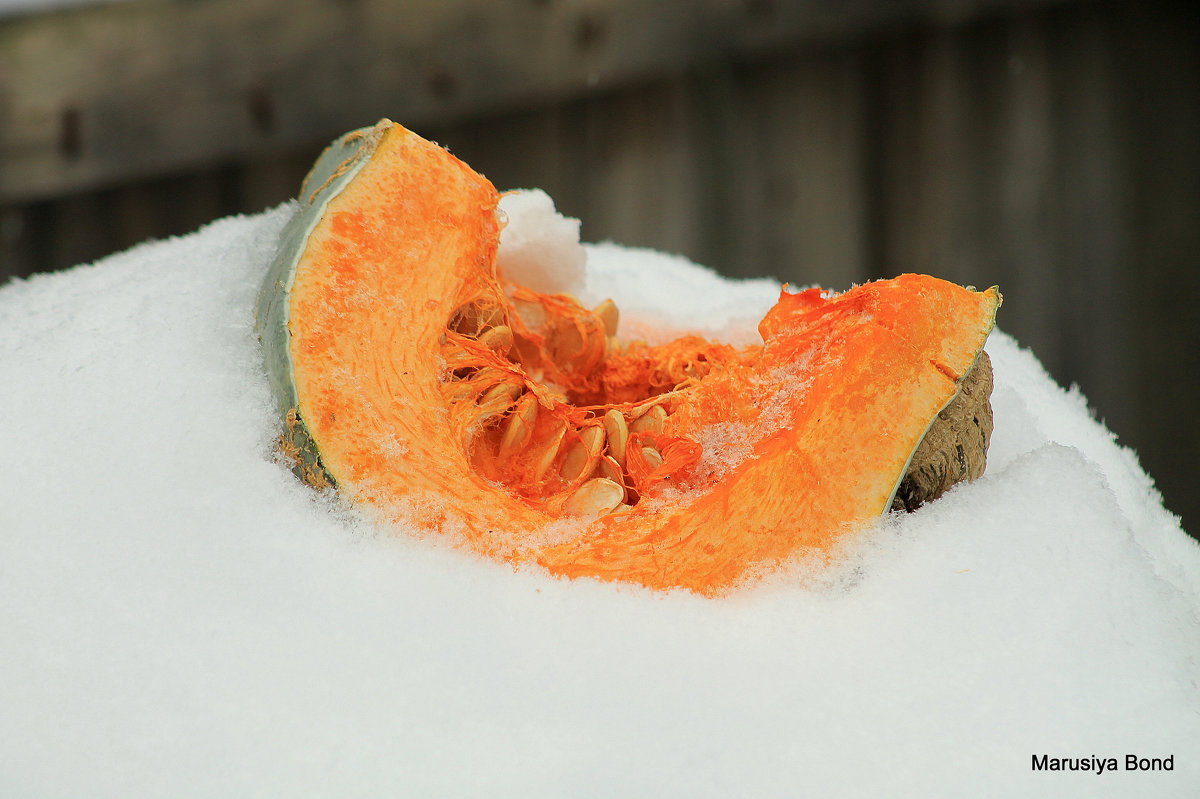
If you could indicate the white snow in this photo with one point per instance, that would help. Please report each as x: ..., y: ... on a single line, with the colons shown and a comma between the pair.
x: 180, y: 617
x: 662, y: 296
x: 539, y: 247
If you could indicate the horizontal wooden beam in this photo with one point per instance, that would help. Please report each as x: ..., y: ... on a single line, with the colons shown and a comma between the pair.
x: 115, y: 92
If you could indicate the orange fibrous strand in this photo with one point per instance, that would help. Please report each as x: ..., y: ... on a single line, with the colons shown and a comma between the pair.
x: 678, y: 455
x: 522, y: 412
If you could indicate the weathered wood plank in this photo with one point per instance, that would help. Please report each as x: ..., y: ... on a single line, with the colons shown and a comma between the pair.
x: 1055, y: 154
x: 1158, y: 128
x: 109, y: 93
x: 752, y: 170
x: 1097, y: 289
x: 970, y: 175
x: 794, y: 193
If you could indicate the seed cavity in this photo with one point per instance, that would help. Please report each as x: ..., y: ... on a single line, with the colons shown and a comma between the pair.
x: 475, y: 317
x: 526, y: 376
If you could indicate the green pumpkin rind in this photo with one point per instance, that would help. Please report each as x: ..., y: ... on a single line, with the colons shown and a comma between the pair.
x: 333, y: 171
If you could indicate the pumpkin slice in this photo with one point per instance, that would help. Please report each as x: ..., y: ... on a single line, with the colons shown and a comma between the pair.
x: 419, y: 382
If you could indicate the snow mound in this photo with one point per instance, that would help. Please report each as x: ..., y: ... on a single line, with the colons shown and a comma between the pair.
x: 539, y: 247
x: 181, y: 617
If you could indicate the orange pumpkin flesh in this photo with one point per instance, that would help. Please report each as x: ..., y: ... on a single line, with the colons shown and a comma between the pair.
x: 422, y: 383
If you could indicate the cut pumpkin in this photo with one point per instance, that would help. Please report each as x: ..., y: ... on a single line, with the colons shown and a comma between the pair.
x: 415, y: 379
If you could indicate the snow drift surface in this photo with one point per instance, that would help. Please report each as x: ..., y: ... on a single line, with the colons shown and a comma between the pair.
x: 180, y: 617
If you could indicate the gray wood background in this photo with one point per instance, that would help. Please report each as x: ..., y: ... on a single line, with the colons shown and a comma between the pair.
x: 1048, y: 147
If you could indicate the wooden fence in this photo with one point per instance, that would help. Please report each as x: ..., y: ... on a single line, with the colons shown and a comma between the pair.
x: 1050, y: 148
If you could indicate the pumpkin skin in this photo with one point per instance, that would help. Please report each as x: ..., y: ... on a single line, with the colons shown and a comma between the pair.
x: 421, y: 384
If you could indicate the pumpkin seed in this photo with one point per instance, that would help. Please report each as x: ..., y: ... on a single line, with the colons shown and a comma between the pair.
x: 609, y: 469
x: 512, y: 390
x: 518, y: 428
x: 498, y: 399
x: 456, y: 358
x: 618, y: 434
x: 652, y: 457
x: 651, y: 421
x: 531, y: 313
x: 609, y: 316
x: 566, y: 342
x: 594, y: 498
x: 582, y: 456
x: 546, y: 451
x: 456, y: 391
x: 498, y: 339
